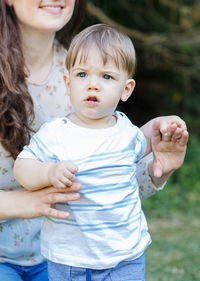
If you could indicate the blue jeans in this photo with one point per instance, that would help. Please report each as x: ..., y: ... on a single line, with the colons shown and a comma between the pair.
x: 12, y: 272
x: 124, y: 271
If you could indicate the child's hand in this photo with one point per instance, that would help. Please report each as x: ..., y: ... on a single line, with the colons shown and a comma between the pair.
x: 169, y: 140
x: 168, y: 125
x: 62, y: 174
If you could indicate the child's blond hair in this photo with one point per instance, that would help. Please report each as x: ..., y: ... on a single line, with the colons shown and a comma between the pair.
x: 111, y: 42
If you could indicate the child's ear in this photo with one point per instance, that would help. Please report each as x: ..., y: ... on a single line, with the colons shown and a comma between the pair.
x: 66, y: 80
x: 128, y: 89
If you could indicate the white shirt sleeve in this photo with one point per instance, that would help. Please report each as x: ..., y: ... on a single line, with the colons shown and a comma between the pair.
x: 40, y: 144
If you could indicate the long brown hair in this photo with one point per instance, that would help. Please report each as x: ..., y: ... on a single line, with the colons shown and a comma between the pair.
x: 16, y: 105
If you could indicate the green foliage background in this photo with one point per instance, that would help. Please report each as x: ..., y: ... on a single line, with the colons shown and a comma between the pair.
x: 166, y: 35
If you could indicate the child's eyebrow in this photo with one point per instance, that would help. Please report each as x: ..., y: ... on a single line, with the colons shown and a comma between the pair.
x: 78, y: 68
x: 85, y: 68
x: 110, y: 71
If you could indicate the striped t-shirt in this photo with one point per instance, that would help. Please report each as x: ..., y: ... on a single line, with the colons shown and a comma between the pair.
x: 106, y: 225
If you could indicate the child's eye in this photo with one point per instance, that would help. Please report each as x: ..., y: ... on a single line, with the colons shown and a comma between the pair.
x: 82, y: 74
x: 107, y: 76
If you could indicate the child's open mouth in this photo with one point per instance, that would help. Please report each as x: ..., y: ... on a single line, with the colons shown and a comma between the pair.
x: 92, y: 100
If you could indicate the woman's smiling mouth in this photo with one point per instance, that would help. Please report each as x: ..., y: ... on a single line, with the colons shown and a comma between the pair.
x: 53, y: 9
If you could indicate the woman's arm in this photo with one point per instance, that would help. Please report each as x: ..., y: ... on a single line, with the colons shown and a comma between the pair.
x: 146, y: 186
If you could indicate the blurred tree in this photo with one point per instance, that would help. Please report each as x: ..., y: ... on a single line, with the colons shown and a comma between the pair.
x: 166, y: 35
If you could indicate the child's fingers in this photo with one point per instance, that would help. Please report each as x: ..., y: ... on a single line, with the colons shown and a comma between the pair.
x: 70, y: 166
x: 68, y: 175
x: 168, y: 132
x: 164, y: 125
x: 62, y: 174
x: 65, y: 180
x: 177, y: 134
x: 62, y: 181
x: 173, y: 119
x: 183, y: 139
x: 180, y: 134
x: 166, y: 136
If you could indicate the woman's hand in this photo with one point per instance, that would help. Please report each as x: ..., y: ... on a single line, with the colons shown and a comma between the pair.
x: 31, y: 204
x: 169, y: 147
x: 169, y: 142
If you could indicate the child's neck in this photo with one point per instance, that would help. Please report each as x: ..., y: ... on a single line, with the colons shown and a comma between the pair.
x: 100, y: 123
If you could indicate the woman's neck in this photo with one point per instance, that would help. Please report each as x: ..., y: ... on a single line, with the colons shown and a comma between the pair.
x: 38, y: 55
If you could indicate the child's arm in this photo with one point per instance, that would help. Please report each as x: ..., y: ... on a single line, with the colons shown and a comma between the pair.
x: 33, y: 174
x: 168, y: 141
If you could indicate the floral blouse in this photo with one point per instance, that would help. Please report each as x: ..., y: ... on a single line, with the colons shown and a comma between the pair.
x: 20, y: 237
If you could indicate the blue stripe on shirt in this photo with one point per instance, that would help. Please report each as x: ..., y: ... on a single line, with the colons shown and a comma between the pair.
x: 42, y: 147
x: 100, y: 226
x: 100, y: 208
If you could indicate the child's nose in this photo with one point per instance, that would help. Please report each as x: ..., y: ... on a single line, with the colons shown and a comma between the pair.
x: 93, y: 85
x: 93, y: 88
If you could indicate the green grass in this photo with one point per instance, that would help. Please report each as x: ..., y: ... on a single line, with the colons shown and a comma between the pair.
x: 174, y: 254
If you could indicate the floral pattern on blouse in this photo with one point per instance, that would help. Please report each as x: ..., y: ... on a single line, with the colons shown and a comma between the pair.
x: 19, y: 237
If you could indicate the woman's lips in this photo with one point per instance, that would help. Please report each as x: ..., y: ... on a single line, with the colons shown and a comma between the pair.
x: 52, y: 9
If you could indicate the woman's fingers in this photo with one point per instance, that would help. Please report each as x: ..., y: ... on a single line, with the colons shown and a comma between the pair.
x: 52, y: 196
x: 62, y: 197
x: 50, y: 212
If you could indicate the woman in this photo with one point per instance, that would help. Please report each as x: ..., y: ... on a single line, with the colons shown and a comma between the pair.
x: 32, y: 91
